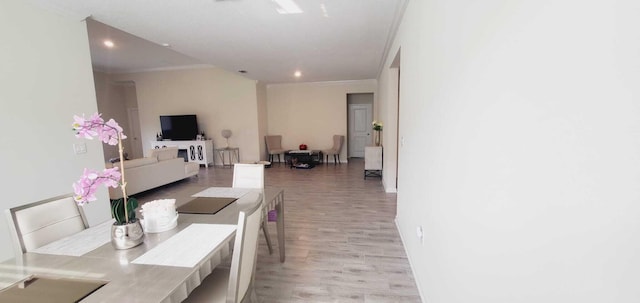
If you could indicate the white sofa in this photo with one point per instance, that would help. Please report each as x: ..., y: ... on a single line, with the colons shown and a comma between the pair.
x: 162, y: 167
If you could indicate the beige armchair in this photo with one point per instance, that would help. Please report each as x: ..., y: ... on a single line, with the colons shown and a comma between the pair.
x: 274, y: 146
x: 338, y: 140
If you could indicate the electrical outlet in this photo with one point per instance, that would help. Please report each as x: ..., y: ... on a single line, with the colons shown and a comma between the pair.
x: 79, y: 148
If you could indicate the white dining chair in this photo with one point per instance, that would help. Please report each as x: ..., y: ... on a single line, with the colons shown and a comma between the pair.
x: 248, y: 175
x: 39, y: 223
x: 235, y: 284
x: 252, y: 176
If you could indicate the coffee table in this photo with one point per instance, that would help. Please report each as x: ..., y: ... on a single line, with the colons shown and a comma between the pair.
x: 303, y: 158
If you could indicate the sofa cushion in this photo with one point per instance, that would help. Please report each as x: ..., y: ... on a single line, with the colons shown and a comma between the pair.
x: 191, y: 168
x: 146, y: 177
x: 137, y: 162
x: 165, y: 153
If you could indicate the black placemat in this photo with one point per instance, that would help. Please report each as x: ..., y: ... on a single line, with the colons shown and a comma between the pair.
x: 205, y: 205
x: 47, y: 289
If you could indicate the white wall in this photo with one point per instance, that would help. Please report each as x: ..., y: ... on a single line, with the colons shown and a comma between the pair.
x: 261, y: 96
x: 45, y: 78
x: 524, y: 116
x: 221, y: 100
x: 112, y: 104
x: 311, y: 113
x: 388, y: 113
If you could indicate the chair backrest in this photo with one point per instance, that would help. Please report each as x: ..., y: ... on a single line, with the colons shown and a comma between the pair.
x: 36, y: 224
x: 273, y: 142
x: 338, y: 140
x: 243, y: 261
x: 248, y: 175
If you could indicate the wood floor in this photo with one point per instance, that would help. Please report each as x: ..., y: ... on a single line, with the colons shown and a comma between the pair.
x: 341, y: 240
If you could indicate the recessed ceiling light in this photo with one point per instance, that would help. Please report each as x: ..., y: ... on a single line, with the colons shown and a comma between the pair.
x: 297, y: 74
x: 166, y: 44
x: 287, y: 7
x: 242, y: 71
x: 108, y: 43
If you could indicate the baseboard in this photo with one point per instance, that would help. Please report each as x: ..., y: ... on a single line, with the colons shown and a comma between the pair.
x: 389, y: 190
x: 413, y: 270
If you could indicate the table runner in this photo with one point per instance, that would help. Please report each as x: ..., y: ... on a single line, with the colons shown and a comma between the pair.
x: 189, y: 246
x: 80, y: 243
x: 223, y: 192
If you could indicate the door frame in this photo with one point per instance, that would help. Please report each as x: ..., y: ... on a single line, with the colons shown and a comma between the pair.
x: 135, y: 133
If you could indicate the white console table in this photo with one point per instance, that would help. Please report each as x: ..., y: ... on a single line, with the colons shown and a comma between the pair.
x: 198, y: 151
x: 372, y: 161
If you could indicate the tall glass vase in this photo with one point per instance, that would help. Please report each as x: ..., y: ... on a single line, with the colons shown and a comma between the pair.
x: 377, y: 138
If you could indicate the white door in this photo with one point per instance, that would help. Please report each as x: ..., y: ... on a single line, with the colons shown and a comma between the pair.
x: 134, y: 124
x: 360, y: 116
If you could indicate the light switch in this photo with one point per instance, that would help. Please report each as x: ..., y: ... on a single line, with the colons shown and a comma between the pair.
x: 80, y: 148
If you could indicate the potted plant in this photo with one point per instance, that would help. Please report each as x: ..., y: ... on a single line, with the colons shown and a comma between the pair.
x: 126, y: 232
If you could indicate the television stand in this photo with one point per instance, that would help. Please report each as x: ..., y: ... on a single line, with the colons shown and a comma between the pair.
x: 198, y: 151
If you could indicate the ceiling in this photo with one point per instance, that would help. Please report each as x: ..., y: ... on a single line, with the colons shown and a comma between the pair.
x: 330, y: 40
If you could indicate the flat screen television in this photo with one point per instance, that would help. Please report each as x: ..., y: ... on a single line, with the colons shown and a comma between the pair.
x: 179, y: 127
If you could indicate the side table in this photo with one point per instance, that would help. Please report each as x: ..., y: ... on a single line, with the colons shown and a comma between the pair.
x: 232, y: 153
x: 372, y: 161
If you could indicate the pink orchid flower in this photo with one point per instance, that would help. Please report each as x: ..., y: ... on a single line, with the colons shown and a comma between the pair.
x: 108, y: 132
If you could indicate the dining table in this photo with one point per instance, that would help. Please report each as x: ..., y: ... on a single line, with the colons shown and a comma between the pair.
x: 165, y: 268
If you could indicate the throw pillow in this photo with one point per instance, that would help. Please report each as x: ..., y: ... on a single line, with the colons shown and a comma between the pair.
x: 166, y: 153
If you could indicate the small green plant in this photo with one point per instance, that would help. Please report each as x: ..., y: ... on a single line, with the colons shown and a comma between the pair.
x: 377, y: 125
x: 118, y: 212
